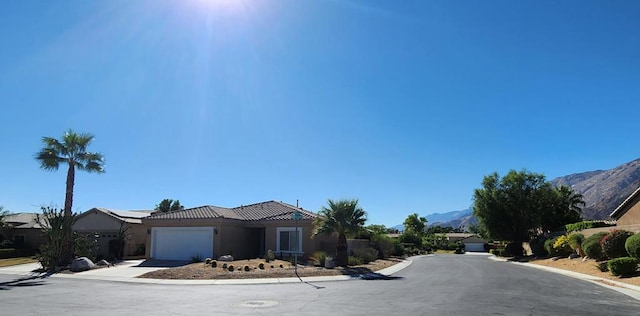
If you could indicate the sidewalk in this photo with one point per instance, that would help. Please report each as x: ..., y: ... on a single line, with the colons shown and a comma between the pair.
x: 128, y: 271
x: 628, y: 289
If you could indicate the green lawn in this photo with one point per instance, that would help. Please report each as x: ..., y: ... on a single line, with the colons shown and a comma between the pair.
x: 16, y: 261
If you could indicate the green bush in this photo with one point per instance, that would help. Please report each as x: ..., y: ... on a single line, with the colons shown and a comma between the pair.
x: 409, y: 237
x: 632, y: 245
x: 561, y: 246
x: 575, y: 241
x: 384, y: 245
x: 548, y: 246
x: 624, y: 266
x: 366, y: 254
x: 398, y: 248
x: 613, y: 243
x: 354, y: 261
x: 603, y: 266
x: 585, y: 225
x: 319, y: 258
x: 7, y: 253
x: 537, y: 247
x: 453, y: 246
x: 6, y: 244
x: 592, y: 248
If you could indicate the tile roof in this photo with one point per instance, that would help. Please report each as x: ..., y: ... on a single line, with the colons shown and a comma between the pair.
x: 270, y: 210
x: 132, y: 217
x: 22, y: 220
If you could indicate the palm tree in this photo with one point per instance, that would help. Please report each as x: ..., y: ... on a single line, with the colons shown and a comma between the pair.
x: 343, y: 217
x: 70, y: 150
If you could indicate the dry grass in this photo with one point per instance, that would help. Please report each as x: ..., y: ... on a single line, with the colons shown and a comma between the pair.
x: 587, y: 267
x: 273, y: 269
x: 16, y: 261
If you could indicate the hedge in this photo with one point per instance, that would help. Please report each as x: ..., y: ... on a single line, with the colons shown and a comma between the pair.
x: 592, y: 248
x: 625, y: 266
x: 585, y: 225
x: 632, y: 245
x: 613, y: 243
x: 7, y: 253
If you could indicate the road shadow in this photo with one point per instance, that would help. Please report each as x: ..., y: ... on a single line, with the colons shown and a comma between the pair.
x: 34, y: 280
x: 162, y: 263
x: 367, y: 274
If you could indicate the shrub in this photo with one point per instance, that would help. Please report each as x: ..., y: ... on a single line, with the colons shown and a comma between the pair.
x: 384, y: 245
x: 214, y: 263
x: 409, y: 237
x: 632, y: 245
x: 548, y: 246
x: 585, y: 225
x: 398, y: 248
x: 354, y: 261
x: 366, y: 254
x: 602, y: 266
x: 513, y: 249
x: 319, y: 258
x: 230, y: 268
x: 453, y: 246
x: 7, y: 253
x: 270, y: 256
x: 5, y: 244
x: 625, y: 266
x: 537, y: 247
x: 561, y: 246
x: 208, y: 261
x: 575, y: 242
x: 247, y: 269
x: 261, y: 266
x: 592, y: 248
x: 224, y: 266
x: 613, y: 243
x: 459, y: 251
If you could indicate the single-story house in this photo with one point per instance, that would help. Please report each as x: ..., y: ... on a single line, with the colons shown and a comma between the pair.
x: 24, y: 230
x: 455, y: 237
x: 627, y: 214
x: 104, y: 225
x: 474, y: 244
x: 247, y: 231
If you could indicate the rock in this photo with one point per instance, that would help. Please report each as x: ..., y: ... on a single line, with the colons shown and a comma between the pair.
x: 555, y: 258
x: 585, y: 259
x: 81, y: 264
x: 103, y: 263
x: 226, y: 258
x: 573, y: 256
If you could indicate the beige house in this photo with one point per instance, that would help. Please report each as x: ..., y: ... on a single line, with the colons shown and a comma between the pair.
x: 24, y: 230
x: 627, y: 214
x: 104, y: 225
x: 243, y: 232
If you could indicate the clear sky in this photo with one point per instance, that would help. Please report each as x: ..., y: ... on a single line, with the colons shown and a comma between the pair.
x: 405, y: 105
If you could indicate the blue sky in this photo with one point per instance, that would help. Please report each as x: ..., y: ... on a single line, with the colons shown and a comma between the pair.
x: 405, y: 105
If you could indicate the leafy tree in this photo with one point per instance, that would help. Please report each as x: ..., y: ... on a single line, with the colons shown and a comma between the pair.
x: 416, y: 224
x: 437, y: 229
x: 565, y: 208
x: 344, y: 217
x: 71, y: 150
x: 377, y: 229
x: 168, y: 205
x: 3, y: 214
x: 510, y: 207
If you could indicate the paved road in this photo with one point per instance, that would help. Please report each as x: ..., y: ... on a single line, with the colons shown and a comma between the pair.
x: 432, y: 285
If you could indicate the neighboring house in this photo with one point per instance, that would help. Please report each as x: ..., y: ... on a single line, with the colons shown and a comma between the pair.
x: 23, y: 229
x: 243, y: 232
x: 104, y: 225
x: 474, y: 244
x: 627, y: 214
x: 455, y: 237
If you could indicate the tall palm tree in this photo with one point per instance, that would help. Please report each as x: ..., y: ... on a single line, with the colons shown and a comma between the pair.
x: 344, y: 217
x: 72, y: 151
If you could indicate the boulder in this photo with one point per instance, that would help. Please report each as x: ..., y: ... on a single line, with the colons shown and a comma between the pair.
x: 81, y: 264
x: 103, y: 263
x: 226, y: 258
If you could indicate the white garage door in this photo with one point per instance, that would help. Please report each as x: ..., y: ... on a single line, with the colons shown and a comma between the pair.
x: 181, y: 243
x: 474, y: 246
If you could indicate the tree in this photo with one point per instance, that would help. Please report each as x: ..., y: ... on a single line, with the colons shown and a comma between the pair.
x: 3, y: 214
x: 522, y: 204
x: 416, y: 224
x: 71, y: 150
x: 376, y: 229
x: 168, y: 205
x: 344, y: 217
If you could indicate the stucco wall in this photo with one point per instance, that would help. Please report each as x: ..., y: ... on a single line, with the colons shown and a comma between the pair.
x: 632, y: 216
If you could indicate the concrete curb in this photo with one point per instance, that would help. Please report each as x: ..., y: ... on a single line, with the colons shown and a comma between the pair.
x: 133, y: 279
x: 628, y: 289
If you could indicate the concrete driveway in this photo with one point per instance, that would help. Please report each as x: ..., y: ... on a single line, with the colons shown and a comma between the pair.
x: 126, y: 270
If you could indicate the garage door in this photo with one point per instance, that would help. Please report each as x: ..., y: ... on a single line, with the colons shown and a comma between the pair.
x: 474, y: 246
x: 181, y: 243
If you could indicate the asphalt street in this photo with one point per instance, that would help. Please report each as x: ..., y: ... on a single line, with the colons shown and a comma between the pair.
x: 431, y: 285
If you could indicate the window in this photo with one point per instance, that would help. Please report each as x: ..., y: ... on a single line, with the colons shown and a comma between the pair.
x: 288, y: 240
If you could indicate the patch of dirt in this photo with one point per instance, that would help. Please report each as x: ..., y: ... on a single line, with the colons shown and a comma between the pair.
x: 273, y: 269
x: 589, y: 267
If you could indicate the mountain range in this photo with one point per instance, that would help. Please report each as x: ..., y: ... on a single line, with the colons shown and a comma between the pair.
x: 602, y: 191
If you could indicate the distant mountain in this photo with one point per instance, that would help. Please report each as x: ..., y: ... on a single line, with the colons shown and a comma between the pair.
x: 603, y: 190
